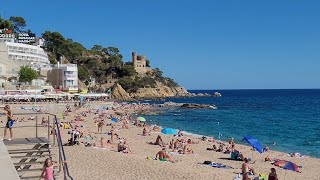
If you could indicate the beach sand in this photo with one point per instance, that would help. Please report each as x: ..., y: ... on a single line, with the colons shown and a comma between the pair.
x: 86, y: 163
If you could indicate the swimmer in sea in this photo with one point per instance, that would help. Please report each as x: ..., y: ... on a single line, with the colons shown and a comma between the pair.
x: 273, y: 143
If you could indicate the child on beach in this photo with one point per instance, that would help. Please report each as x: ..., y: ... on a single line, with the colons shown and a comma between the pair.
x: 47, y: 172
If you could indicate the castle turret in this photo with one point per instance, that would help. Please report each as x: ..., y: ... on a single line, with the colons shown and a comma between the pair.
x: 139, y: 63
x: 134, y: 57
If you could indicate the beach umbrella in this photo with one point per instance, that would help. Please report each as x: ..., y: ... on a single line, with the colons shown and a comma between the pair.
x: 254, y: 143
x: 287, y: 165
x: 142, y: 119
x: 169, y: 131
x: 115, y: 119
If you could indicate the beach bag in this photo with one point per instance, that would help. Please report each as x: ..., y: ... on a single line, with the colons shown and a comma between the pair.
x: 207, y: 162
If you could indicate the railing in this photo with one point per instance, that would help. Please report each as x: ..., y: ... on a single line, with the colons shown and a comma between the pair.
x: 61, y: 151
x: 62, y: 156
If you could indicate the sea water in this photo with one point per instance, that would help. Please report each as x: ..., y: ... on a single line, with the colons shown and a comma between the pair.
x: 290, y: 118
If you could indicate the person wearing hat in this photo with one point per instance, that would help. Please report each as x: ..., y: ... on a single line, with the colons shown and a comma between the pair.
x: 9, y: 123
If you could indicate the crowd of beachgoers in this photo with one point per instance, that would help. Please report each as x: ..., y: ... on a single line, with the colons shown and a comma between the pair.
x: 112, y: 140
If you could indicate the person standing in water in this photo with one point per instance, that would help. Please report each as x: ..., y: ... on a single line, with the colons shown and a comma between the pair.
x: 9, y: 123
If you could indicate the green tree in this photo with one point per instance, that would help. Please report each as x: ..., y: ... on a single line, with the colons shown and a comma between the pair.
x: 111, y: 51
x: 128, y: 70
x: 58, y: 45
x: 5, y: 24
x: 97, y: 47
x: 83, y: 72
x: 54, y: 43
x: 26, y: 74
x: 18, y: 23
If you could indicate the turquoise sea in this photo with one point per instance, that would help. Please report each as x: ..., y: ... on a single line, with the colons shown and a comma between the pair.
x: 291, y: 118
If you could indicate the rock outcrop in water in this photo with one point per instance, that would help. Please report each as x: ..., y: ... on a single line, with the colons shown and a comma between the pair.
x: 198, y: 106
x: 217, y: 94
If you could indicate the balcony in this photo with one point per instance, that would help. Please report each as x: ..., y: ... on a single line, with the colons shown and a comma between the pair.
x: 72, y: 76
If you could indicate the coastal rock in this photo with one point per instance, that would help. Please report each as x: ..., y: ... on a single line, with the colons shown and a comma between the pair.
x: 173, y: 104
x: 120, y: 94
x: 217, y: 94
x: 160, y: 92
x: 193, y: 94
x: 198, y: 106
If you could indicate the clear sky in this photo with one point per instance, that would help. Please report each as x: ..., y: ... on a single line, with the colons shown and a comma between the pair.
x: 203, y: 44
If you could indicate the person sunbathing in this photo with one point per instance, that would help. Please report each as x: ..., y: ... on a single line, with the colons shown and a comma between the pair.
x: 189, y: 141
x: 103, y: 143
x: 246, y: 170
x: 171, y: 144
x: 231, y: 143
x: 228, y: 150
x: 220, y: 148
x: 214, y: 148
x: 187, y: 150
x: 125, y: 125
x: 177, y: 144
x: 126, y: 148
x: 159, y: 141
x: 155, y: 128
x: 163, y: 156
x: 145, y: 132
x: 267, y: 159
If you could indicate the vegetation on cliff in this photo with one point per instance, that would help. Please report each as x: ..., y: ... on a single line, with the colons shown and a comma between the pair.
x: 99, y: 63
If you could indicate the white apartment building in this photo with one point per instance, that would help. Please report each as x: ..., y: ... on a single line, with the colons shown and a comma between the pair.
x: 64, y: 77
x: 14, y: 55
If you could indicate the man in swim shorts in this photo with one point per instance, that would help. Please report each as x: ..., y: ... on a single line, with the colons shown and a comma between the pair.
x: 9, y: 122
x: 163, y: 156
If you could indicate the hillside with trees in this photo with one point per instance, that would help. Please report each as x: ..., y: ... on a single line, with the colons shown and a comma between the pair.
x: 97, y: 62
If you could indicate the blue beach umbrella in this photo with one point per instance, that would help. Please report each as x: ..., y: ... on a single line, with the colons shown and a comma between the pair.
x: 115, y: 119
x: 254, y: 143
x: 169, y: 131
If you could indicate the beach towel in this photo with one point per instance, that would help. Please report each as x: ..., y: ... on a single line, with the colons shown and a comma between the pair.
x: 219, y: 165
x: 100, y: 148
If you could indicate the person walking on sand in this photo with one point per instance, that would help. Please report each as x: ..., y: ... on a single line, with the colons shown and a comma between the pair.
x: 9, y: 123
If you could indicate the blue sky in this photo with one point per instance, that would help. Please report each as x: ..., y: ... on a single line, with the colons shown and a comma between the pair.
x: 207, y: 44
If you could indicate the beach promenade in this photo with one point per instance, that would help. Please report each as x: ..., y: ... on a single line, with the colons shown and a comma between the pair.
x: 100, y: 163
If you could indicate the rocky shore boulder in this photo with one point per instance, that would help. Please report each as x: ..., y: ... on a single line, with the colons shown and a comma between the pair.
x: 198, y: 106
x: 120, y: 94
x: 217, y: 94
x: 160, y: 92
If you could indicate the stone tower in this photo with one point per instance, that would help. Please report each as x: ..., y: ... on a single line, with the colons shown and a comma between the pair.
x: 139, y: 63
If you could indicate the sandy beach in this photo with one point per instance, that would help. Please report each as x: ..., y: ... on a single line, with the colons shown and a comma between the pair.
x: 107, y: 163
